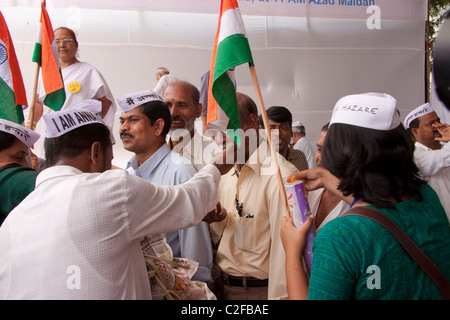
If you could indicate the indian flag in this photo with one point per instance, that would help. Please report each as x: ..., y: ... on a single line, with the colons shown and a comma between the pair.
x: 231, y: 49
x: 46, y: 55
x: 13, y: 98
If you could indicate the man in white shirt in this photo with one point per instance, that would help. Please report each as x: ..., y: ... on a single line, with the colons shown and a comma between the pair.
x: 432, y: 158
x: 303, y: 144
x: 77, y: 235
x: 164, y: 79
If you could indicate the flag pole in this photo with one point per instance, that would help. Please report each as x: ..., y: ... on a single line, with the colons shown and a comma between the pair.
x: 30, y: 123
x: 269, y: 139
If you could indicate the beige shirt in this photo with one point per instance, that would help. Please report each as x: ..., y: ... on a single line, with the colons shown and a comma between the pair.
x: 252, y: 246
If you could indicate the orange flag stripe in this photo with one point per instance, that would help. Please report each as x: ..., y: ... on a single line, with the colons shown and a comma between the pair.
x: 19, y: 88
x: 50, y: 69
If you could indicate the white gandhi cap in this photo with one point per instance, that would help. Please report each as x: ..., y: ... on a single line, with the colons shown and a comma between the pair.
x: 94, y: 106
x: 417, y: 113
x: 60, y: 122
x: 130, y: 101
x: 369, y: 110
x: 27, y: 136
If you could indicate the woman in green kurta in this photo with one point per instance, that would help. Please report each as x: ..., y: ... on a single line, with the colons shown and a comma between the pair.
x: 17, y: 179
x: 16, y: 182
x: 369, y: 162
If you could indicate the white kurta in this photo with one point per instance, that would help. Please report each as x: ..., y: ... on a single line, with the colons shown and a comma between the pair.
x: 309, y: 149
x: 82, y: 81
x: 163, y: 82
x: 434, y: 166
x: 77, y: 236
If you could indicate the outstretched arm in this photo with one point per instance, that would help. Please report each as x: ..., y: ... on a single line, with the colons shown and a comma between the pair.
x: 294, y: 241
x: 321, y: 178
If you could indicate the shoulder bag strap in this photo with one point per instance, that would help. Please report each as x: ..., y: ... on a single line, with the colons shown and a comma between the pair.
x: 416, y: 253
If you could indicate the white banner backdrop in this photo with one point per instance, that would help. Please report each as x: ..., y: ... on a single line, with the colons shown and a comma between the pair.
x: 356, y: 9
x: 305, y: 62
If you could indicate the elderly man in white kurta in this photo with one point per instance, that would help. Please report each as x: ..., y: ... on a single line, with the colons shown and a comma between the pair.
x: 77, y: 236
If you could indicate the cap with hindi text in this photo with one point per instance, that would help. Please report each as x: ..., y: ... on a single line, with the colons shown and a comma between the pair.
x: 130, y: 101
x: 417, y: 113
x: 27, y: 136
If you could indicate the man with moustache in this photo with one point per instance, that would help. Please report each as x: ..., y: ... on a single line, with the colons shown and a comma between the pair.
x: 431, y: 157
x: 183, y: 100
x: 144, y: 124
x: 280, y: 123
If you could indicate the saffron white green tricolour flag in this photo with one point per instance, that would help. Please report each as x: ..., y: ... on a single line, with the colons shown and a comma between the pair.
x: 13, y: 98
x: 46, y: 55
x: 231, y: 49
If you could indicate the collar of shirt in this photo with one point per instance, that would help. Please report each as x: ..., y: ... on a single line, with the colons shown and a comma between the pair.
x: 260, y: 162
x: 421, y: 146
x: 56, y: 172
x: 5, y: 164
x: 150, y: 164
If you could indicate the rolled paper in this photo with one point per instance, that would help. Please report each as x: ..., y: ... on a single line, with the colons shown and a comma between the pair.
x: 300, y: 210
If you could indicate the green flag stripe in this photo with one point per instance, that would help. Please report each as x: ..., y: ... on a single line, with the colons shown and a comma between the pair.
x: 55, y: 100
x: 225, y: 94
x: 231, y: 52
x: 8, y: 109
x: 37, y: 53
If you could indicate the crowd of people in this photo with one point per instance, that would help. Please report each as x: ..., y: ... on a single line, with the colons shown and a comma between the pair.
x: 183, y: 221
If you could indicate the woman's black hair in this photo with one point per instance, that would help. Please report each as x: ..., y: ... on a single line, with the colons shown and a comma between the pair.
x: 6, y: 140
x: 374, y: 164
